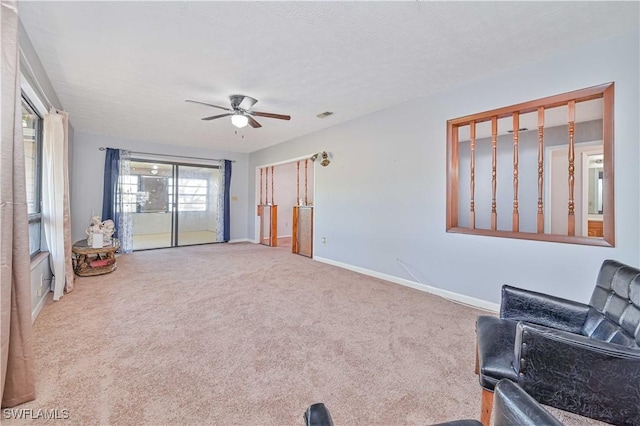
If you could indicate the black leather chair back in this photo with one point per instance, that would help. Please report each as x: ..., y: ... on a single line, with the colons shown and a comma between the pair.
x: 615, y: 305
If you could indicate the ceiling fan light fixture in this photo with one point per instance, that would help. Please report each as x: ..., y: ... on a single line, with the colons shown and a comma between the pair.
x: 239, y: 120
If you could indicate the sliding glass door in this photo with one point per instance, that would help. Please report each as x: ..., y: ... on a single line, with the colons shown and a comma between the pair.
x: 197, y: 205
x: 172, y: 204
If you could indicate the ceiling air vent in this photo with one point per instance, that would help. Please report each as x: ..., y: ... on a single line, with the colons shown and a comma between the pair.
x: 324, y: 114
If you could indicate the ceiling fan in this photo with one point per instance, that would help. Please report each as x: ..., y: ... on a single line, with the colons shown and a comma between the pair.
x: 240, y: 111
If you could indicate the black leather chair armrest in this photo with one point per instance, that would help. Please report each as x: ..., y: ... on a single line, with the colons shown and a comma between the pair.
x: 513, y: 406
x: 539, y: 308
x: 586, y: 376
x: 317, y: 415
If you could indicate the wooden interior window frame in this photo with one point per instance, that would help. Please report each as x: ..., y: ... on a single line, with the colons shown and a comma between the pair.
x: 604, y: 91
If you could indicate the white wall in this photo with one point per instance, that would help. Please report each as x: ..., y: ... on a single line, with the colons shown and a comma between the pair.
x: 383, y: 197
x: 88, y: 172
x: 40, y: 282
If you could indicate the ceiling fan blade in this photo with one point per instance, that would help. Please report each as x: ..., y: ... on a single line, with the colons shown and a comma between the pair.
x: 270, y: 115
x: 247, y: 103
x: 213, y: 117
x: 253, y: 122
x: 211, y: 105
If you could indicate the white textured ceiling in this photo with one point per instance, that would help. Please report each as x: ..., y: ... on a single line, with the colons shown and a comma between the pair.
x: 125, y: 68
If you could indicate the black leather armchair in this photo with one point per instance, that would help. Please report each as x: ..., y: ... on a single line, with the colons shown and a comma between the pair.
x: 575, y: 357
x: 512, y: 407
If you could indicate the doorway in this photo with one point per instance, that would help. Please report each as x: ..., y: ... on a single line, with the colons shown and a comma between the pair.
x: 285, y: 187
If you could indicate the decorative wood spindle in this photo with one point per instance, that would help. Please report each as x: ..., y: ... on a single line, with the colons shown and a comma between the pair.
x: 571, y: 231
x: 472, y: 165
x: 540, y: 169
x: 306, y: 201
x: 272, y: 187
x: 266, y: 185
x: 297, y: 181
x: 516, y: 132
x: 260, y: 199
x: 494, y: 164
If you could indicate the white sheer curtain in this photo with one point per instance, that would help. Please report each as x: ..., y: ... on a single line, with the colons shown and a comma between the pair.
x: 55, y: 200
x: 125, y: 217
x: 220, y: 201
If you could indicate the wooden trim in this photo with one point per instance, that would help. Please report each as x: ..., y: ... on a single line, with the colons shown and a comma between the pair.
x: 294, y: 230
x: 272, y: 187
x: 311, y: 210
x: 487, y: 407
x: 260, y: 200
x: 306, y: 200
x: 272, y: 238
x: 540, y: 216
x: 298, y: 181
x: 494, y: 172
x: 516, y: 132
x: 296, y: 246
x: 472, y: 167
x: 605, y: 91
x: 581, y: 95
x: 571, y: 220
x: 608, y: 167
x: 274, y: 225
x: 554, y: 238
x: 452, y: 176
x: 266, y: 184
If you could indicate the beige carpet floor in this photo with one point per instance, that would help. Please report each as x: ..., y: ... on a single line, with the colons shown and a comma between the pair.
x: 243, y: 334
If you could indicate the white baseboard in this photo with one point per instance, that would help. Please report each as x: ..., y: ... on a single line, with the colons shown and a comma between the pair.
x: 38, y: 308
x: 239, y: 240
x: 449, y: 295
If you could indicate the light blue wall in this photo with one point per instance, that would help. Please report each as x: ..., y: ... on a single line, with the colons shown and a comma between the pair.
x: 37, y: 77
x: 88, y: 172
x: 383, y: 196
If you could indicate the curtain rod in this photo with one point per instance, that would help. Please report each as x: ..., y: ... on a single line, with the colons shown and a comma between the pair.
x: 102, y: 148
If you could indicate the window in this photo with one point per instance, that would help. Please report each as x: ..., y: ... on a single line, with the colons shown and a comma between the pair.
x: 150, y: 187
x: 32, y: 135
x: 539, y: 170
x: 192, y: 194
x: 129, y: 185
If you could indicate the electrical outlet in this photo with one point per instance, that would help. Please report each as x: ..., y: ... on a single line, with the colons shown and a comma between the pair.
x: 39, y: 292
x: 324, y: 241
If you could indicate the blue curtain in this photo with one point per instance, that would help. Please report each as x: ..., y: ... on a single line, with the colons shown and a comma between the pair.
x: 109, y: 195
x: 227, y: 204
